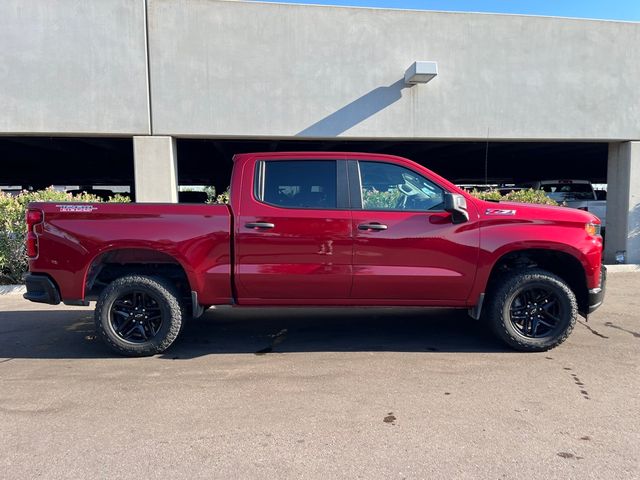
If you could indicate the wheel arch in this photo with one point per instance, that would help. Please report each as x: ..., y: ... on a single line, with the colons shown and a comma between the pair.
x: 562, y: 264
x: 117, y: 262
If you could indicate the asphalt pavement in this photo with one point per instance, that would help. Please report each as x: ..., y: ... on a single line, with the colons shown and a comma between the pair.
x: 330, y: 393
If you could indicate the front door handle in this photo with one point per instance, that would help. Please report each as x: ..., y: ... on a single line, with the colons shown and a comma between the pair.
x: 259, y: 225
x: 372, y: 226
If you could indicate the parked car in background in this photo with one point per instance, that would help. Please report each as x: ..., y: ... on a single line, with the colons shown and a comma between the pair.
x: 479, y: 187
x: 578, y: 194
x: 601, y: 194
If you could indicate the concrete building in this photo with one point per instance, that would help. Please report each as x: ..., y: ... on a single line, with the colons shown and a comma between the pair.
x: 155, y: 89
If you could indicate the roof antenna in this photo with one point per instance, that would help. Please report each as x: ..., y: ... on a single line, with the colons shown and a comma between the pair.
x: 486, y: 160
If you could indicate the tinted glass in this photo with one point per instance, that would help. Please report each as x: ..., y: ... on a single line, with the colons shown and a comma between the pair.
x: 391, y: 187
x: 299, y: 184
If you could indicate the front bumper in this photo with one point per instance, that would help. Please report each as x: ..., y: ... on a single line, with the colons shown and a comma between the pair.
x: 41, y: 289
x: 596, y: 295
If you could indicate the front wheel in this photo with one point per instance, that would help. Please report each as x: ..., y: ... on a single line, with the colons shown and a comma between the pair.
x: 137, y: 315
x: 532, y: 310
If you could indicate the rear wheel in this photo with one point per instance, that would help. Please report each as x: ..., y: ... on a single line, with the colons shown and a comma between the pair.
x: 532, y: 310
x: 137, y: 315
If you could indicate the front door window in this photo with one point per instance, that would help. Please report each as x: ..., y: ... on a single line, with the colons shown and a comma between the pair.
x: 392, y: 187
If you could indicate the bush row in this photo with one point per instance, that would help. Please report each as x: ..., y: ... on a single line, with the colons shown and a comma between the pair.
x: 525, y: 196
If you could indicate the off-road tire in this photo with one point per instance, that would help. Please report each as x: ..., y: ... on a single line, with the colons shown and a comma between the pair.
x: 503, y: 293
x: 167, y: 299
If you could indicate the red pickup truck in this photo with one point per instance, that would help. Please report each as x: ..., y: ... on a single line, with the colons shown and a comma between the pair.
x: 319, y: 229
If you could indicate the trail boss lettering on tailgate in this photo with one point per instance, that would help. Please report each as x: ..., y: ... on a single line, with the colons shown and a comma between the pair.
x: 76, y: 208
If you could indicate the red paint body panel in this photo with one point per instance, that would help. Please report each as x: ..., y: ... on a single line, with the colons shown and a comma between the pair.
x: 313, y: 256
x: 420, y: 257
x: 541, y: 227
x: 306, y: 255
x: 196, y: 236
x: 305, y: 252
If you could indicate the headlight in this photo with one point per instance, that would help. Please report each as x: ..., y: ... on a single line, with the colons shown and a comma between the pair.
x: 592, y: 229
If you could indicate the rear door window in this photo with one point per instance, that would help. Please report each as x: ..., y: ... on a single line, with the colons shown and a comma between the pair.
x: 298, y: 183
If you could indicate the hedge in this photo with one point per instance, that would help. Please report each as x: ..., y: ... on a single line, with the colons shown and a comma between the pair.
x: 13, y: 229
x: 524, y: 196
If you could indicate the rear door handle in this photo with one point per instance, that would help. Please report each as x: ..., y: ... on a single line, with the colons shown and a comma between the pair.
x: 372, y: 226
x: 259, y: 225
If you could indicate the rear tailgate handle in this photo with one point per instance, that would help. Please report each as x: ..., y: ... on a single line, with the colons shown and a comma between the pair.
x: 259, y: 225
x: 372, y: 226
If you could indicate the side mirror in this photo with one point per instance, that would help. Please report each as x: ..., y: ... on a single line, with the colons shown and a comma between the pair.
x: 456, y: 205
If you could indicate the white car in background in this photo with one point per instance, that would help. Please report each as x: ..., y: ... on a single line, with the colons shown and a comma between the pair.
x: 578, y: 194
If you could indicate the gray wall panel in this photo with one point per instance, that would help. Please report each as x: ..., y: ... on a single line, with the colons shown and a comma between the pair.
x: 250, y: 69
x: 73, y: 67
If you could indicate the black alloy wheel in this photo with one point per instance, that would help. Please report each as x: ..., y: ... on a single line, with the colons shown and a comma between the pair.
x: 535, y: 311
x: 139, y: 315
x: 136, y: 316
x: 531, y: 309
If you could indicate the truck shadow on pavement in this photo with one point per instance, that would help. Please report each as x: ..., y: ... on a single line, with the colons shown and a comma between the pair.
x: 65, y: 333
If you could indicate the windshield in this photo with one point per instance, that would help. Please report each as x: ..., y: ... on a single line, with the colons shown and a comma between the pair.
x: 561, y: 192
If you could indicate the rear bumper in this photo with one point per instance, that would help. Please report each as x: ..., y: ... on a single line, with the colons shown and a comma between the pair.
x: 41, y: 289
x: 596, y: 295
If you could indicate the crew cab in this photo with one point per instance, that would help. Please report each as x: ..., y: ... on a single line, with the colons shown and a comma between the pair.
x: 319, y: 229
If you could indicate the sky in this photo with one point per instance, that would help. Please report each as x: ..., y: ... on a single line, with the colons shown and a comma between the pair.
x: 628, y: 10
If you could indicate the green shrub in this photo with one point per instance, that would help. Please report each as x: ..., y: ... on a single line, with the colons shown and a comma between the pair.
x: 486, y: 194
x: 224, y: 197
x: 529, y: 196
x: 211, y: 194
x: 13, y: 261
x: 213, y: 199
x: 524, y: 196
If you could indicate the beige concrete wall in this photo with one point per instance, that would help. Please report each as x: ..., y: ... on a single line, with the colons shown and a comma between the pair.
x: 249, y: 69
x: 73, y: 67
x: 155, y: 169
x: 219, y: 68
x: 623, y: 202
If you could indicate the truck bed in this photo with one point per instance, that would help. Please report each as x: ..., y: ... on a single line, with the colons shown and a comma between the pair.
x: 76, y: 235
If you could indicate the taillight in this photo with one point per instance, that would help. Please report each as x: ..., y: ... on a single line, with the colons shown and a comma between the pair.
x: 34, y: 217
x: 32, y: 245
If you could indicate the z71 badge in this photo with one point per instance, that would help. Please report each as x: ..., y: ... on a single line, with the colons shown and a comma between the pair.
x: 76, y: 208
x: 499, y: 211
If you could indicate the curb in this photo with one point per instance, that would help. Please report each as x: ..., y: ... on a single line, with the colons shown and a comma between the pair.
x: 12, y: 289
x: 623, y: 268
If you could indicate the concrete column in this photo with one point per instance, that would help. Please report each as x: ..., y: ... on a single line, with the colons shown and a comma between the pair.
x: 155, y: 164
x: 623, y: 202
